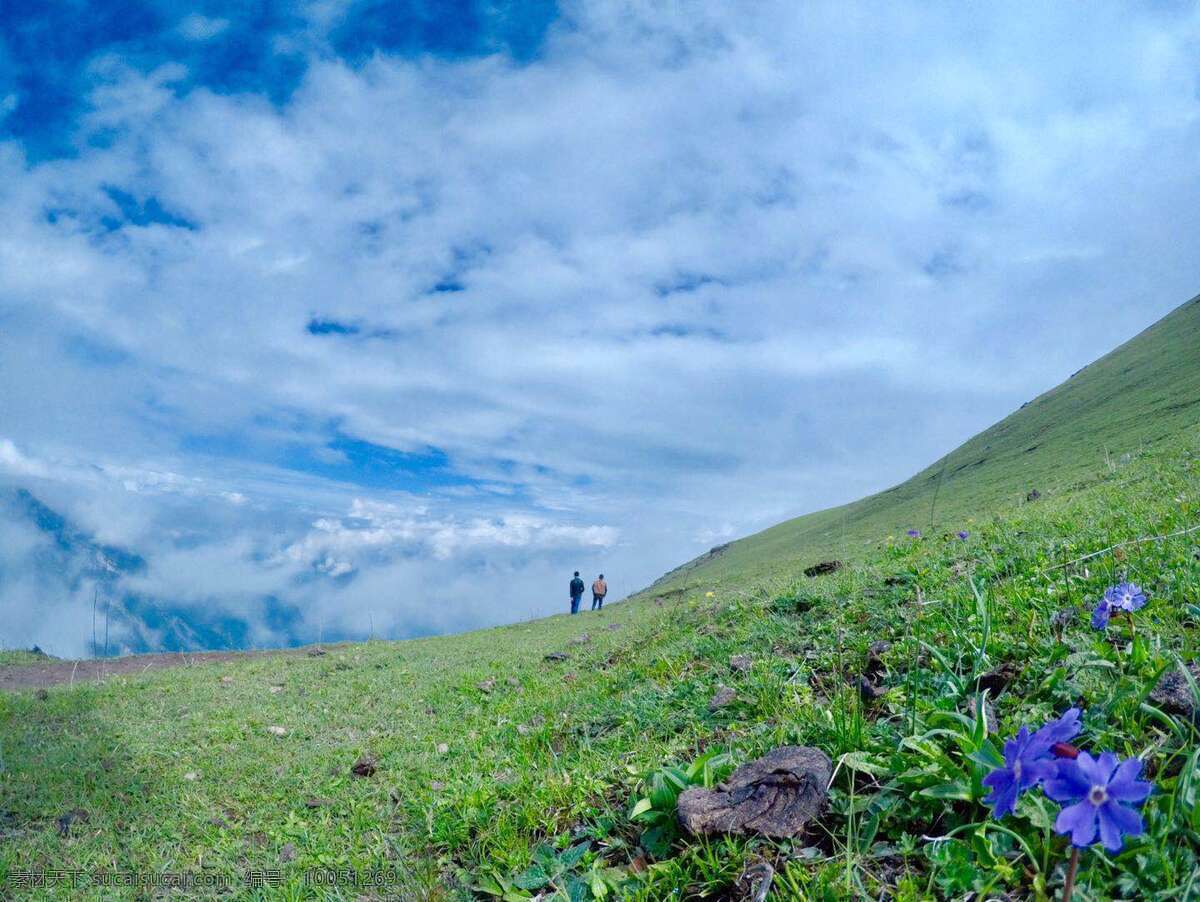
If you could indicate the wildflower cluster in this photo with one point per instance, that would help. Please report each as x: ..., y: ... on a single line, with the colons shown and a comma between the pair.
x: 1098, y: 795
x: 1121, y: 598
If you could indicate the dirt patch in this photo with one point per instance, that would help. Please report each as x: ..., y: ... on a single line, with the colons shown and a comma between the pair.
x: 55, y: 672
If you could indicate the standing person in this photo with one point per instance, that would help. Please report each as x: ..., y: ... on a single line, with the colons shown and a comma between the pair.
x: 599, y: 590
x: 576, y: 593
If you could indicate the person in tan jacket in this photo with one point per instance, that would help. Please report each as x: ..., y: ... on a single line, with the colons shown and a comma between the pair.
x: 599, y: 590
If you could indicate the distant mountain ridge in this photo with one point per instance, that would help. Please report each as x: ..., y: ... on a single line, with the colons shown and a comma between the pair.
x: 1143, y: 392
x: 73, y: 561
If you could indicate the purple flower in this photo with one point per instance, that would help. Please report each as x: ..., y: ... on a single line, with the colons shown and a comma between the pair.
x: 1102, y: 792
x: 914, y: 533
x: 1125, y: 597
x: 963, y: 534
x: 1028, y: 760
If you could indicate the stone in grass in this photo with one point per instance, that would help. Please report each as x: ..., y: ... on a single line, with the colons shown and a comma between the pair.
x: 740, y: 663
x: 276, y: 730
x: 823, y: 568
x: 1174, y: 694
x: 287, y: 853
x: 996, y: 681
x: 487, y: 685
x: 443, y: 748
x: 65, y: 821
x: 316, y: 803
x: 365, y: 766
x: 724, y: 696
x: 316, y: 652
x: 775, y: 796
x: 875, y: 653
x: 557, y: 656
x: 583, y: 639
x: 868, y: 691
x: 513, y: 681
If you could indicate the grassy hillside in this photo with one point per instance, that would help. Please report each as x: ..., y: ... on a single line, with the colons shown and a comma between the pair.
x: 497, y: 773
x: 1146, y: 390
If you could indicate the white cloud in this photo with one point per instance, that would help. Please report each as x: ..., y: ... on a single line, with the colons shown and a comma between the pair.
x: 197, y: 27
x: 18, y: 464
x: 709, y: 269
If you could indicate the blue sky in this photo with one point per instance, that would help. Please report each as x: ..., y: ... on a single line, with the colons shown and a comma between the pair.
x: 395, y: 313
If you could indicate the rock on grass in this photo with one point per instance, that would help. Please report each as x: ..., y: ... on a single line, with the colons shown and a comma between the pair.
x: 775, y: 796
x: 365, y: 766
x: 724, y: 696
x: 1174, y: 694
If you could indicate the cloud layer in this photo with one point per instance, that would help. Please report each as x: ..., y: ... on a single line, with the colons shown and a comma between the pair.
x: 406, y: 342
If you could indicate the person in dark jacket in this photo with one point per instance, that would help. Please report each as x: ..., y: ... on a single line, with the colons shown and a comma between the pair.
x: 576, y: 593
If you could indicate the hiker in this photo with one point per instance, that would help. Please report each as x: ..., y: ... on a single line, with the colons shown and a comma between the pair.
x: 576, y: 593
x: 599, y: 590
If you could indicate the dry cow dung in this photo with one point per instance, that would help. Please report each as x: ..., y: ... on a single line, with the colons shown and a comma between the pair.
x: 823, y: 568
x: 776, y: 795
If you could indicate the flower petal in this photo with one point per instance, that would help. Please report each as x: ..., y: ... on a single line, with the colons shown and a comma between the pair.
x: 1089, y: 770
x: 1068, y: 783
x: 1110, y: 833
x: 1116, y: 822
x: 1066, y: 727
x: 1003, y: 799
x: 1124, y: 786
x: 1080, y: 821
x: 1106, y: 766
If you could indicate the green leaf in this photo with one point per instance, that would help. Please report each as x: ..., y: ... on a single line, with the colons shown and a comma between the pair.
x: 954, y: 790
x: 861, y: 761
x: 491, y: 886
x: 533, y: 878
x: 987, y: 755
x: 571, y: 857
x: 662, y: 796
x: 642, y: 806
x: 599, y: 887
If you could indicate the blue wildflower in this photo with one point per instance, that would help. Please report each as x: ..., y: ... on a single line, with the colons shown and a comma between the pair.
x: 1125, y: 597
x: 1101, y: 792
x: 914, y: 533
x: 1028, y: 760
x: 963, y: 534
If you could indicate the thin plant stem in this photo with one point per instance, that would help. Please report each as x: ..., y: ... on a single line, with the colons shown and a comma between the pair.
x: 1072, y: 867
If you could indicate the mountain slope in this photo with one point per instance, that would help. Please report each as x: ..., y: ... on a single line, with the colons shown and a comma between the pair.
x: 1146, y: 390
x: 542, y: 760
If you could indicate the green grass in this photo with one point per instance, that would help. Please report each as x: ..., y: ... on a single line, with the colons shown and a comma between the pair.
x: 529, y: 787
x: 19, y: 656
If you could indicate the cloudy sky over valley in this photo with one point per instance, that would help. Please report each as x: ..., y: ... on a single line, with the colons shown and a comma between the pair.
x: 350, y: 318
